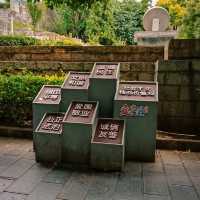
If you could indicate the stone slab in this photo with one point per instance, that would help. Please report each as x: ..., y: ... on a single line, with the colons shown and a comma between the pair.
x: 45, y: 191
x: 57, y: 175
x: 4, y: 183
x: 156, y: 184
x: 18, y: 168
x: 6, y: 161
x: 12, y: 196
x: 177, y: 175
x: 77, y: 186
x: 103, y: 186
x: 183, y: 192
x: 29, y: 180
x: 156, y: 197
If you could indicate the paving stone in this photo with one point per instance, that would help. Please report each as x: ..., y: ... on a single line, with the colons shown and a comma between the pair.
x: 45, y: 191
x: 77, y: 187
x: 196, y: 182
x: 156, y: 166
x: 29, y: 155
x: 177, y: 175
x: 6, y: 161
x: 18, y: 168
x: 57, y: 176
x: 29, y: 180
x: 4, y: 183
x: 170, y: 157
x: 183, y: 193
x: 155, y: 183
x: 156, y: 197
x: 102, y: 187
x: 193, y: 168
x: 12, y: 196
x: 188, y: 156
x: 133, y: 169
x: 128, y: 187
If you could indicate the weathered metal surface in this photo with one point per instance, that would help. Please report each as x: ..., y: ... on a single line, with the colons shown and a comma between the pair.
x: 75, y: 87
x: 138, y: 106
x: 47, y: 138
x: 81, y: 112
x: 79, y: 122
x: 47, y: 100
x: 105, y: 70
x: 107, y: 145
x: 138, y: 91
x: 49, y: 94
x: 109, y: 131
x: 103, y: 83
x: 52, y: 123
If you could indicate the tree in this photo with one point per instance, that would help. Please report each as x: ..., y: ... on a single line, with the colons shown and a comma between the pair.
x: 35, y: 12
x: 177, y: 10
x: 100, y: 23
x: 191, y: 22
x: 128, y: 19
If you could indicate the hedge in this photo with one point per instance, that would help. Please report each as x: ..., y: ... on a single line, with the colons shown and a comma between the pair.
x: 28, y: 41
x: 16, y: 95
x: 17, y: 41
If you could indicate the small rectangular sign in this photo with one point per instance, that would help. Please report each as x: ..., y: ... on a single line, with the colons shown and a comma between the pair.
x: 105, y: 70
x: 138, y: 91
x: 81, y: 112
x: 51, y: 123
x: 109, y: 131
x: 48, y: 94
x: 77, y: 80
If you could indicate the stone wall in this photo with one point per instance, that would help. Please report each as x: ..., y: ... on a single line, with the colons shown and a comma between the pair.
x: 142, y: 71
x: 83, y: 53
x: 180, y: 49
x: 179, y: 95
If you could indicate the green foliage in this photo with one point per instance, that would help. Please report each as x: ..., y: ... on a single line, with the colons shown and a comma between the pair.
x: 73, y: 4
x: 35, y: 13
x: 100, y: 23
x: 17, y: 41
x: 64, y: 42
x: 5, y: 5
x: 17, y: 93
x: 176, y: 9
x: 128, y: 19
x: 191, y: 21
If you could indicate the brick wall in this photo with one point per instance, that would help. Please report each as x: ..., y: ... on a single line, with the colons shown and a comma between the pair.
x: 180, y: 49
x: 83, y: 54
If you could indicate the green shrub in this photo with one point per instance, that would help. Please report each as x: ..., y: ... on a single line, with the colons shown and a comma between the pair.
x: 65, y: 42
x: 17, y: 41
x: 16, y: 95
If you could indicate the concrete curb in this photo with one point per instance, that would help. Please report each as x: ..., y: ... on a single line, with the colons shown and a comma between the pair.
x: 164, y: 140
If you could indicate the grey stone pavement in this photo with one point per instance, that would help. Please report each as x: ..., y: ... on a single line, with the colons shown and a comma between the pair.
x: 175, y: 175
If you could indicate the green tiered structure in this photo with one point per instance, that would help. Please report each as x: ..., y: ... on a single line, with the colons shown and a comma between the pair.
x: 136, y: 102
x: 48, y: 138
x: 78, y: 125
x: 82, y: 138
x: 75, y: 87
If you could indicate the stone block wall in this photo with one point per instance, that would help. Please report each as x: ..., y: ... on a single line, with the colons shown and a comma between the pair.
x: 82, y: 53
x: 142, y: 71
x: 180, y: 49
x: 179, y: 95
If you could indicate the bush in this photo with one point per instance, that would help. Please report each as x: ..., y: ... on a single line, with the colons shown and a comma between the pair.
x: 65, y: 42
x: 16, y: 95
x: 17, y: 41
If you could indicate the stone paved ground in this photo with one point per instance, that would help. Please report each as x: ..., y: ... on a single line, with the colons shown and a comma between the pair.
x: 175, y: 175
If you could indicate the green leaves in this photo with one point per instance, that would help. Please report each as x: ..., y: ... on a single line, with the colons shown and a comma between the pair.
x: 17, y: 93
x: 17, y: 41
